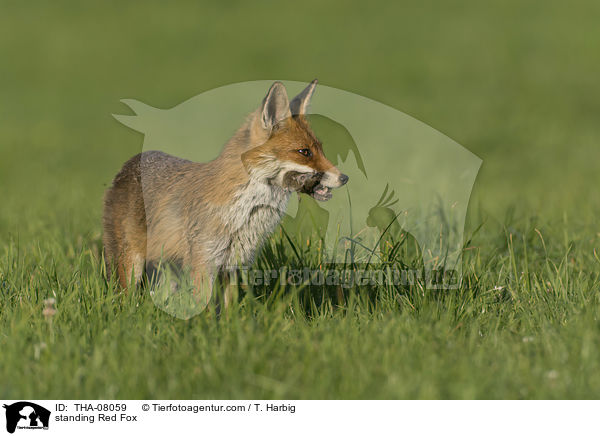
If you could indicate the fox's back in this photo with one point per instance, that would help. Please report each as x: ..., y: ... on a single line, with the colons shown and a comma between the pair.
x: 171, y: 200
x: 140, y: 203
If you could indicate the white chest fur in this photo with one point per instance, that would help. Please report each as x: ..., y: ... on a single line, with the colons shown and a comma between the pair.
x: 253, y: 216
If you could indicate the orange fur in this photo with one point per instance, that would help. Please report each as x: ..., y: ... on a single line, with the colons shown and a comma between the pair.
x: 209, y: 217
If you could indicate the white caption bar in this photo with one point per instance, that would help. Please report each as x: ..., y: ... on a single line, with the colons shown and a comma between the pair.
x: 298, y: 417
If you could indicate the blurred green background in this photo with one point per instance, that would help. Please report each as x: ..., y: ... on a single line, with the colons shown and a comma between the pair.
x: 515, y: 82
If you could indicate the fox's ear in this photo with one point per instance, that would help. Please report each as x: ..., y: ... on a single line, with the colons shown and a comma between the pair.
x: 275, y: 107
x: 299, y: 105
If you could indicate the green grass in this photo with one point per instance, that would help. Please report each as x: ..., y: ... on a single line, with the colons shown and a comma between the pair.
x: 511, y: 81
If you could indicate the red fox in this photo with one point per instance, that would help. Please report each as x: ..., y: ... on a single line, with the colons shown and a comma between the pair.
x: 211, y: 217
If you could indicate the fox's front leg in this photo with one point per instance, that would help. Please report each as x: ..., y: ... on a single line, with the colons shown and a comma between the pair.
x: 227, y: 288
x: 203, y: 283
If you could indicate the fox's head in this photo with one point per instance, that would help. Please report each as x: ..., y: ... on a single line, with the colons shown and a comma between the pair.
x: 288, y: 153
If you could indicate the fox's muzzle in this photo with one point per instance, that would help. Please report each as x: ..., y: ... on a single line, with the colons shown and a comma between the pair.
x: 333, y: 178
x: 322, y: 191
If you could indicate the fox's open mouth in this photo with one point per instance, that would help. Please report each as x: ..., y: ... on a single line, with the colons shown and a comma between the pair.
x: 307, y: 183
x: 321, y: 193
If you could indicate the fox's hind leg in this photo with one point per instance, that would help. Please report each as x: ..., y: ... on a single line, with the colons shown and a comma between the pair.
x: 125, y: 252
x: 124, y: 224
x: 131, y: 267
x: 132, y: 255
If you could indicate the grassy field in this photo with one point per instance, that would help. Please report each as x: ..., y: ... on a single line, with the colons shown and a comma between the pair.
x: 514, y: 82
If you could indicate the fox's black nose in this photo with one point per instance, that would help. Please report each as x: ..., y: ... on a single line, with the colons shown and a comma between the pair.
x: 343, y: 179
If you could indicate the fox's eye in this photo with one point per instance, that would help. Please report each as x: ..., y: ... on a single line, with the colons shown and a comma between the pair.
x: 305, y: 152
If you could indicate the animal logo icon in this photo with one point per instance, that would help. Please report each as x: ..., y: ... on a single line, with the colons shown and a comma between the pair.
x: 27, y: 415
